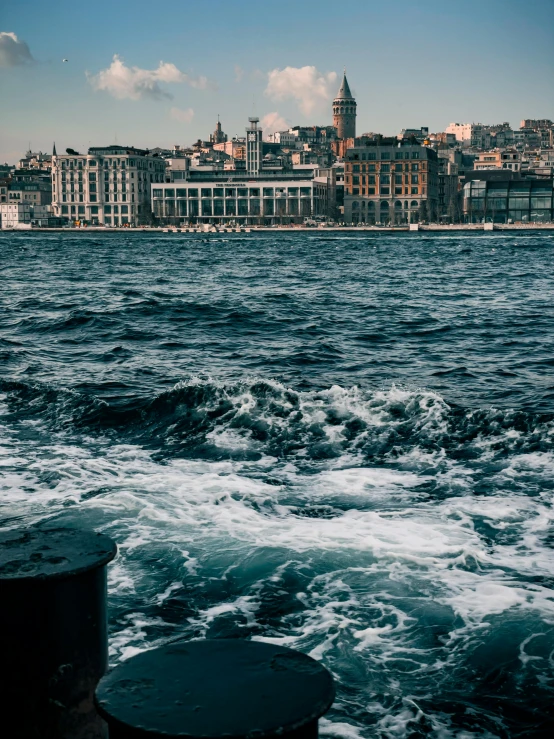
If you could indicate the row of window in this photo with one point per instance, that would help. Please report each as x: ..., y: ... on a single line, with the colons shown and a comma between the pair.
x: 220, y: 207
x: 93, y: 198
x: 384, y: 190
x: 385, y: 167
x: 385, y: 155
x: 384, y: 205
x: 94, y: 209
x: 384, y: 179
x: 231, y: 192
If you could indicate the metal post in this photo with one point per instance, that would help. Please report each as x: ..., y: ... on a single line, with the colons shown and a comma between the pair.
x: 214, y: 689
x: 53, y: 631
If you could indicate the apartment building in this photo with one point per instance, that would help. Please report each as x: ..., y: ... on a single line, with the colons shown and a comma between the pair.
x: 387, y: 181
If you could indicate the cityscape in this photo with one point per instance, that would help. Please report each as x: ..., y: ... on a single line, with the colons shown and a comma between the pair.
x: 303, y: 176
x: 276, y: 369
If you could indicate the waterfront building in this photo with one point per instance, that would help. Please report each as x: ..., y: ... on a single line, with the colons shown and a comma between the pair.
x: 344, y: 111
x: 109, y: 186
x: 390, y: 181
x: 22, y: 215
x: 536, y: 123
x: 505, y: 199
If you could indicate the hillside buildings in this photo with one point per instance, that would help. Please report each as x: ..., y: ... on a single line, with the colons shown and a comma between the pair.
x: 263, y: 192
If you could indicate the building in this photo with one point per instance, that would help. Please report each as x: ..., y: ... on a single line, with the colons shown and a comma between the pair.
x: 390, y: 181
x: 505, y: 199
x: 31, y: 185
x: 474, y: 135
x: 448, y: 175
x: 218, y: 137
x: 109, y: 186
x: 497, y: 159
x: 254, y: 148
x: 536, y: 123
x: 344, y: 112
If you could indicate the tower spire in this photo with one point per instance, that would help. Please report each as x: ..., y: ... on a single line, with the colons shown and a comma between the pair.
x: 54, y: 150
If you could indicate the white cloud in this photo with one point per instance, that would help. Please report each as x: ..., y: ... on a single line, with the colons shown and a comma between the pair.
x: 239, y: 73
x: 272, y: 122
x: 183, y: 116
x: 13, y: 51
x: 135, y: 83
x: 309, y: 87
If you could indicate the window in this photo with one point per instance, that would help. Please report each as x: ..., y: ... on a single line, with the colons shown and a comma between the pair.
x: 415, y: 167
x: 243, y: 192
x: 92, y: 176
x: 372, y: 155
x: 218, y: 205
x: 415, y: 179
x: 397, y: 179
x: 385, y: 155
x: 107, y: 209
x: 92, y: 197
x: 398, y: 167
x: 206, y: 192
x: 65, y: 210
x: 293, y: 192
x: 94, y: 210
x: 414, y: 190
x: 181, y: 193
x: 305, y: 192
x: 398, y: 191
x: 218, y: 192
x: 385, y: 167
x: 355, y: 179
x: 384, y: 190
x: 371, y: 179
x: 385, y: 179
x: 255, y: 193
x: 371, y: 168
x: 398, y: 155
x: 81, y: 210
x: 268, y: 192
x: 407, y: 155
x: 206, y: 207
x: 193, y: 192
x: 355, y: 167
x: 355, y: 191
x: 415, y: 155
x: 370, y: 191
x: 170, y: 192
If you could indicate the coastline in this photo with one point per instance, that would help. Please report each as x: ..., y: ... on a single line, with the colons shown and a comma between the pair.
x: 210, y: 229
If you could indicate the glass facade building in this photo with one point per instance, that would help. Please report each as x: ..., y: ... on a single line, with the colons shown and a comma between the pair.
x: 508, y: 201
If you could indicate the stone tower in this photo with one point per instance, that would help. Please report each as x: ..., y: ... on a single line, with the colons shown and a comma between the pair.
x: 344, y: 112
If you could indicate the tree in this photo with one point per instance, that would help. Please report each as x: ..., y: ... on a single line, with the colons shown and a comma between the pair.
x: 453, y: 209
x: 72, y: 152
x: 423, y: 211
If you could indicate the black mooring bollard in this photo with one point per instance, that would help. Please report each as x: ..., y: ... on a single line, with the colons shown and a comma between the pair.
x: 53, y: 631
x: 215, y: 689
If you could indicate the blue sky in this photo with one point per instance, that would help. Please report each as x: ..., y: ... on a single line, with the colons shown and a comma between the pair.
x: 409, y: 64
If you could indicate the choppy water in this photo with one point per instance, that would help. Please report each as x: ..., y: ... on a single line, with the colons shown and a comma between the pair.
x: 342, y: 444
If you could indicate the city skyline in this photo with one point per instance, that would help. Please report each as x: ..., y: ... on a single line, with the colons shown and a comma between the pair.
x: 143, y: 81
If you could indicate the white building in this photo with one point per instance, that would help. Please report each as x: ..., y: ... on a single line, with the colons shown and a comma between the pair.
x: 24, y: 215
x: 471, y: 134
x: 109, y: 186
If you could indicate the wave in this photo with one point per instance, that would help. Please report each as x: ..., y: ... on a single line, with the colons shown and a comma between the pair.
x: 205, y: 417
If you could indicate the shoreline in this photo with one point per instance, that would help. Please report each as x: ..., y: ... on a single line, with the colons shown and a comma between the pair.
x: 203, y: 230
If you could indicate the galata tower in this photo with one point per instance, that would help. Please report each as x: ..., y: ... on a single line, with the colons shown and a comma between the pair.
x: 344, y: 112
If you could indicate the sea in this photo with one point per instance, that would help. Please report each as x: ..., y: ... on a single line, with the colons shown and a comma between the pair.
x: 339, y: 443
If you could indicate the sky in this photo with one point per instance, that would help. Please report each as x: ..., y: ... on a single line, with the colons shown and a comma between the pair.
x: 152, y: 74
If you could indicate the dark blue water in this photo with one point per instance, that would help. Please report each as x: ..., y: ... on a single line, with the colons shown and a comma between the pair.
x: 340, y: 443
